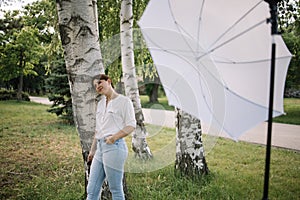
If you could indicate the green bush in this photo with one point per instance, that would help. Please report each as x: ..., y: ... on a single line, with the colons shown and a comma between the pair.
x: 12, y: 95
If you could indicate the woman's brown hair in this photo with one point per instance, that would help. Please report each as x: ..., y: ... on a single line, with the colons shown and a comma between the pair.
x: 102, y: 77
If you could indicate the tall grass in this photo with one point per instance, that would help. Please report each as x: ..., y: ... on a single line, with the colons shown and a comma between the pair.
x: 41, y: 159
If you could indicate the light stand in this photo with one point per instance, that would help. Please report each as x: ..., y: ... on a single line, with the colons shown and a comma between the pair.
x: 274, y: 31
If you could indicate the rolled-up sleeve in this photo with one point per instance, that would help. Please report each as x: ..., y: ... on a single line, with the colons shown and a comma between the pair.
x: 129, y: 114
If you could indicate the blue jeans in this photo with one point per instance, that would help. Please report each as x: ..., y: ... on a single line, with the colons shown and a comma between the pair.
x: 108, y: 162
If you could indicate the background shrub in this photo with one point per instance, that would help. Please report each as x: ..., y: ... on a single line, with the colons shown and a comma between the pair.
x: 12, y: 95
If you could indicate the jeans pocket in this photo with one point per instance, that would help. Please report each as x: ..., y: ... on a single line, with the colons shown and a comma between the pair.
x: 117, y: 142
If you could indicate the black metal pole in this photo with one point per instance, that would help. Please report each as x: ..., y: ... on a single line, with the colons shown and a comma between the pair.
x: 274, y: 31
x: 270, y: 121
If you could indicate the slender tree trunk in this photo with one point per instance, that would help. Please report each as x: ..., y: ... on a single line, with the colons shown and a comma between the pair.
x: 153, y: 95
x: 139, y: 144
x: 190, y: 158
x: 20, y: 86
x: 21, y: 77
x: 78, y: 26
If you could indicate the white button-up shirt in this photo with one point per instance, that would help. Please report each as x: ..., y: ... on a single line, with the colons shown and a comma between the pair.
x: 114, y: 116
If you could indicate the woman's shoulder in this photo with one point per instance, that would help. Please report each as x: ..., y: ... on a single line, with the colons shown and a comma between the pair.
x: 123, y: 98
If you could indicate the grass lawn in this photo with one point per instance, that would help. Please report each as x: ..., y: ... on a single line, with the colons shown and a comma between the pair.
x: 161, y: 104
x: 292, y: 109
x: 41, y: 159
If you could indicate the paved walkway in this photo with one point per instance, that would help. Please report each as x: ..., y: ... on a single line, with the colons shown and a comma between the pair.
x: 41, y: 100
x: 283, y: 135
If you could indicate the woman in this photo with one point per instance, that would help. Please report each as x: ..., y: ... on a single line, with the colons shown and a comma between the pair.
x: 115, y: 119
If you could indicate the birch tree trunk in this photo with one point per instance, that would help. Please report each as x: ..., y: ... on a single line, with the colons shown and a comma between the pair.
x: 139, y: 144
x: 190, y: 158
x: 78, y: 26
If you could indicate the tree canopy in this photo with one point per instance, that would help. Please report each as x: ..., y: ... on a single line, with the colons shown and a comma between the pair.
x: 25, y: 36
x: 289, y: 25
x: 29, y: 41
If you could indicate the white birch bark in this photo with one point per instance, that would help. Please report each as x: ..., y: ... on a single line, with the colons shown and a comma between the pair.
x: 190, y: 158
x: 80, y: 39
x: 139, y: 144
x: 78, y: 26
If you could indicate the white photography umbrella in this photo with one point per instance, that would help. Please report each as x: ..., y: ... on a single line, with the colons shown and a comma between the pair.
x: 213, y: 58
